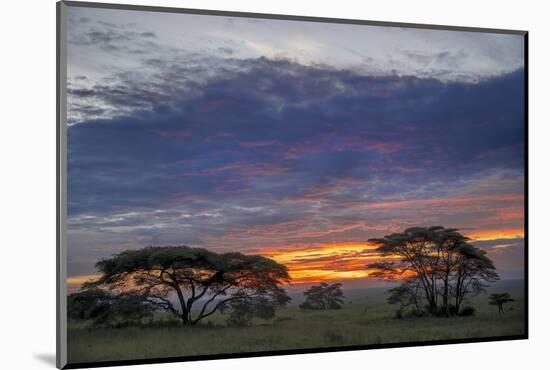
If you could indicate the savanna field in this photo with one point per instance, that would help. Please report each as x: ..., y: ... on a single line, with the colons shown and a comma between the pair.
x: 365, y: 318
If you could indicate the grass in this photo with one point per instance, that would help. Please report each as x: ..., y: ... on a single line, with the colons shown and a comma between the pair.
x: 365, y: 320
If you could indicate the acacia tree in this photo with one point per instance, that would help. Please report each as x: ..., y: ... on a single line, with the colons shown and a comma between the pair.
x: 442, y: 262
x: 323, y: 297
x: 499, y: 299
x: 192, y: 283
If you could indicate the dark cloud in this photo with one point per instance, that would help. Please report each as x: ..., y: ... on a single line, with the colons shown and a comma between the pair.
x: 148, y: 35
x: 113, y: 38
x: 227, y: 51
x: 435, y: 61
x: 97, y: 37
x: 81, y: 93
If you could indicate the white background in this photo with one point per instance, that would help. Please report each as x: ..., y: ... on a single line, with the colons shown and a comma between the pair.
x: 27, y: 207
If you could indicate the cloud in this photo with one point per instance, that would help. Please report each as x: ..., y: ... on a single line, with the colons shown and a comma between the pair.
x: 112, y: 38
x: 508, y: 255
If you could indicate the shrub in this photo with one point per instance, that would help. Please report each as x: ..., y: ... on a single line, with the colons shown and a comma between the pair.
x: 243, y: 312
x: 467, y: 311
x: 107, y: 309
x: 416, y: 313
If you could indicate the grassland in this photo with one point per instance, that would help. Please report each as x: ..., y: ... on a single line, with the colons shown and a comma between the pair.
x: 365, y: 319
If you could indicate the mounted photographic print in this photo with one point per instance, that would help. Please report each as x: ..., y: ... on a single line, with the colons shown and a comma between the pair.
x: 236, y: 184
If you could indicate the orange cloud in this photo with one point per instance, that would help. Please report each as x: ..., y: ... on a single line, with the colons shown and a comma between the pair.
x: 348, y: 260
x: 75, y: 282
x: 329, y: 261
x: 496, y: 234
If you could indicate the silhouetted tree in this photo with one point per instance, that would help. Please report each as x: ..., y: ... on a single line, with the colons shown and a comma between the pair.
x: 323, y: 297
x: 499, y: 299
x: 446, y: 267
x: 104, y: 308
x: 195, y: 276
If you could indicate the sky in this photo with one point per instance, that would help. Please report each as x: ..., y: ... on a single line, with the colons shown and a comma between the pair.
x: 295, y: 140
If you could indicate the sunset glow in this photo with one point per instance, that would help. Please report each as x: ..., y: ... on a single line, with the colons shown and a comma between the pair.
x: 331, y: 261
x: 496, y: 234
x: 334, y: 261
x: 75, y: 282
x: 342, y: 261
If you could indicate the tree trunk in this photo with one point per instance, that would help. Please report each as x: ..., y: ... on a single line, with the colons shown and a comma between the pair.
x: 185, y: 312
x: 446, y: 293
x: 185, y: 319
x: 432, y: 306
x: 445, y: 296
x: 458, y: 292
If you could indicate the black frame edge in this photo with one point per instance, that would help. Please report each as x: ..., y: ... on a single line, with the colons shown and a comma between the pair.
x: 224, y: 356
x: 57, y: 185
x: 526, y: 186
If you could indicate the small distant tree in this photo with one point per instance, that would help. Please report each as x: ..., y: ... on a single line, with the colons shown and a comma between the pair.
x: 103, y: 308
x: 323, y: 297
x: 500, y: 299
x: 193, y: 283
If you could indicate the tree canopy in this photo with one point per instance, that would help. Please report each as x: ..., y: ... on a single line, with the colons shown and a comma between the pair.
x: 439, y: 263
x: 180, y: 279
x: 323, y: 297
x: 499, y: 299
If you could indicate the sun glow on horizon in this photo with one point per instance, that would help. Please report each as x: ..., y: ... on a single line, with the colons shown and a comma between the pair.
x: 484, y: 235
x: 328, y: 261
